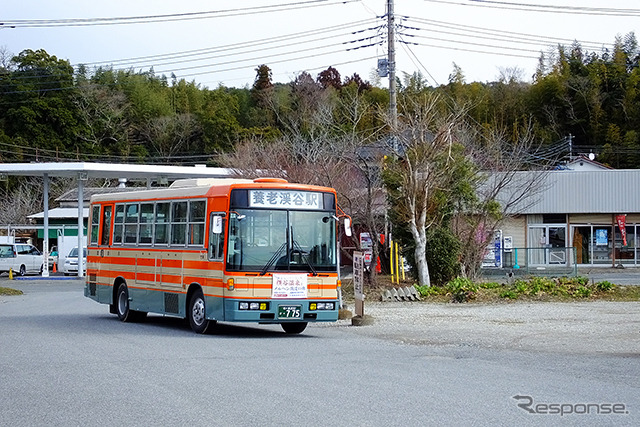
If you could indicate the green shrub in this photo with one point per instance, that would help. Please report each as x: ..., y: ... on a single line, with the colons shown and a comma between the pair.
x: 462, y: 289
x: 539, y: 285
x: 520, y: 286
x: 582, y: 291
x: 443, y: 253
x: 490, y: 285
x: 583, y: 281
x: 509, y: 294
x: 560, y: 291
x: 427, y: 291
x: 604, y: 286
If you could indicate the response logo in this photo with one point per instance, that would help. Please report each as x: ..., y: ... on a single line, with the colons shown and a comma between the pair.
x: 527, y: 403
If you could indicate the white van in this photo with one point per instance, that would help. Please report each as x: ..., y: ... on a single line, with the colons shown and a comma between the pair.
x: 21, y: 258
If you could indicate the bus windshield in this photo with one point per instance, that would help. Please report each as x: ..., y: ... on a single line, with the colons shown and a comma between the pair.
x: 281, y: 240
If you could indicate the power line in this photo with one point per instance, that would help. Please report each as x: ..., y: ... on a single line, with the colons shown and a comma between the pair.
x: 240, y: 45
x: 143, y: 19
x: 236, y: 49
x: 527, y: 7
x: 499, y: 35
x: 416, y: 61
x: 570, y: 9
x: 462, y: 49
x: 470, y: 43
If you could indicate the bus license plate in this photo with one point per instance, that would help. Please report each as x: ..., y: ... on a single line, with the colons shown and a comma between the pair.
x: 289, y: 311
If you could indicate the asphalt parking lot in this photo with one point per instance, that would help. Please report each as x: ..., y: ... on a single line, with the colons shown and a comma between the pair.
x: 64, y: 360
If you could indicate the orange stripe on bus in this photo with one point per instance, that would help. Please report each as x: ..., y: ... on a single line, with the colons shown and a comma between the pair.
x: 198, y: 265
x: 171, y: 263
x: 146, y: 277
x: 147, y: 262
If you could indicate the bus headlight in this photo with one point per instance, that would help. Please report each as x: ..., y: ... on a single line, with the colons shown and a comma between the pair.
x: 322, y: 306
x: 261, y: 306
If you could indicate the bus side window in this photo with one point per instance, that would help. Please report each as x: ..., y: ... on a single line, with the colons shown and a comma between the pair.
x: 95, y: 224
x: 106, y: 225
x: 118, y: 227
x: 145, y: 231
x: 216, y: 237
x: 131, y: 222
x: 161, y: 232
x: 178, y: 223
x: 197, y: 216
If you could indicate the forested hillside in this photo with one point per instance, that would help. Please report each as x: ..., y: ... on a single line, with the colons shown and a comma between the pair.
x: 50, y: 111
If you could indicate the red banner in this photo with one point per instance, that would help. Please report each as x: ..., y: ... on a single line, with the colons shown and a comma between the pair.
x: 621, y: 220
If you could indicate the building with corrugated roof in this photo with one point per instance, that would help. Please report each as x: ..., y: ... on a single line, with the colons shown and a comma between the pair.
x: 584, y: 210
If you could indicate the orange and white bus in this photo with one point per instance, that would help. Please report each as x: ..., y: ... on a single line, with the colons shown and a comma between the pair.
x: 210, y: 250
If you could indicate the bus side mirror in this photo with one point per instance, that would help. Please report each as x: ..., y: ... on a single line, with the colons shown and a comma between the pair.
x: 347, y: 226
x: 216, y: 225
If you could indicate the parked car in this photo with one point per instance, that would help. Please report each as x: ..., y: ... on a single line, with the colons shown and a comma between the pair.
x: 71, y: 262
x: 21, y: 258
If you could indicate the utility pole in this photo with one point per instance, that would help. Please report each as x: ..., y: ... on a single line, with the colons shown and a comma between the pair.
x: 393, y: 106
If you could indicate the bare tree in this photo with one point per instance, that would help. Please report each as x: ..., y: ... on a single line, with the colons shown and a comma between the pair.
x: 26, y: 198
x: 507, y: 178
x: 171, y: 135
x: 323, y: 145
x: 5, y: 59
x: 426, y: 137
x: 103, y: 113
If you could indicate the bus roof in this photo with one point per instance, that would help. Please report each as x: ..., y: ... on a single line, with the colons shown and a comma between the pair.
x: 204, y: 187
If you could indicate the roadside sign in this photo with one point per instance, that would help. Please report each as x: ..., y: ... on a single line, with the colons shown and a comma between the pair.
x: 358, y: 282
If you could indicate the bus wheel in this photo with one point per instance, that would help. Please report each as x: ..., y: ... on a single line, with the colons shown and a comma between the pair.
x: 294, y: 328
x: 122, y: 306
x: 198, y: 313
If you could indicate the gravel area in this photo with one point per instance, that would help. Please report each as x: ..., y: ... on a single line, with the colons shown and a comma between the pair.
x: 599, y: 327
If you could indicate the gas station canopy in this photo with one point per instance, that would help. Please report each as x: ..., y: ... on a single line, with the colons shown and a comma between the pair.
x: 82, y: 171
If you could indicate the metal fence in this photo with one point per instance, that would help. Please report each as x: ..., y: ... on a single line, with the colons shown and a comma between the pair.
x: 532, y: 262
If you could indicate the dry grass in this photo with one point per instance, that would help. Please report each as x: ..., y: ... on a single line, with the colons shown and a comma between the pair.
x: 9, y: 291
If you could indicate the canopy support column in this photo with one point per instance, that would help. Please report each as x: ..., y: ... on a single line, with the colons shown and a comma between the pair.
x: 82, y: 177
x: 45, y: 244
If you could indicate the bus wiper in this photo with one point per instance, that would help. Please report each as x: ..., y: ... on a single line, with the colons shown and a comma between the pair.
x: 304, y: 257
x: 273, y: 258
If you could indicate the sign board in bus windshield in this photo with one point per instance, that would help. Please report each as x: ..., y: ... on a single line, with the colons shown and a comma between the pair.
x: 285, y: 199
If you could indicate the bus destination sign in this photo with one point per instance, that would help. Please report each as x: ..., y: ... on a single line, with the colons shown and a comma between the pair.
x: 285, y: 199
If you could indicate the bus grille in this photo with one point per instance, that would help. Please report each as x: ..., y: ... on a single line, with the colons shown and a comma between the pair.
x: 170, y: 303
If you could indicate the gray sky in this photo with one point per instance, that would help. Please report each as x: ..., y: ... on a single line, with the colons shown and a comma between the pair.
x: 481, y: 36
